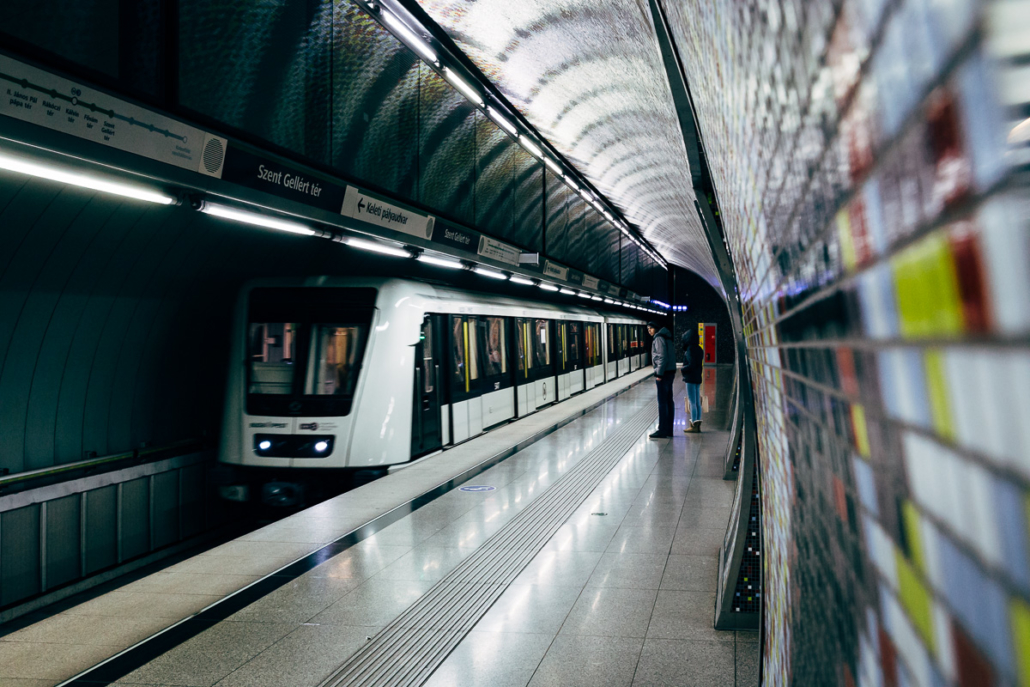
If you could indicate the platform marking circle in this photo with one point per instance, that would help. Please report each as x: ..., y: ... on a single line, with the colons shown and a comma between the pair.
x: 477, y: 487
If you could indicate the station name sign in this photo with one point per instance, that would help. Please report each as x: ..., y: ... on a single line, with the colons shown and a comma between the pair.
x: 262, y: 174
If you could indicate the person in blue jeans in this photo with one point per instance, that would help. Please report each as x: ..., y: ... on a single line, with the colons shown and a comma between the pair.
x: 693, y: 364
x: 663, y: 357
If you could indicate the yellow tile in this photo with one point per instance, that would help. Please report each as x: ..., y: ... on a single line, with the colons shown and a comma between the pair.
x: 916, y: 599
x: 926, y: 287
x: 847, y: 243
x: 937, y: 390
x: 861, y: 431
x: 910, y: 516
x: 1019, y: 617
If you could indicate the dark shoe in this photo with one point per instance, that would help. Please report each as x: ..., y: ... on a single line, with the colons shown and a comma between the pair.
x: 697, y: 426
x: 659, y: 435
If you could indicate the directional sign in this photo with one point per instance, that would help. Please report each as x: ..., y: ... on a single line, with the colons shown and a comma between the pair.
x: 373, y: 210
x: 477, y: 487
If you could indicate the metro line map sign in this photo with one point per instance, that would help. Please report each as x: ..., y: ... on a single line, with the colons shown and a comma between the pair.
x: 35, y: 96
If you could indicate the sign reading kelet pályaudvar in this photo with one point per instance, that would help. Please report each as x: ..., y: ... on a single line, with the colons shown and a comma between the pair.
x: 375, y: 211
x: 38, y: 97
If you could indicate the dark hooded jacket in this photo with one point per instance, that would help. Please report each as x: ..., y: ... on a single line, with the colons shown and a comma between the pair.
x: 663, y: 354
x: 693, y: 357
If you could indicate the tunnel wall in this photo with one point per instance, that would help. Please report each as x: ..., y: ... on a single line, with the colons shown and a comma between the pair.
x: 877, y: 217
x: 327, y: 85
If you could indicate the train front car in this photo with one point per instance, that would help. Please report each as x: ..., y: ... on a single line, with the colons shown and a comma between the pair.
x: 319, y: 385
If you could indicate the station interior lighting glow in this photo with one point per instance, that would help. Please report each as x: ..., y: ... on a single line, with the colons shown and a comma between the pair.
x: 440, y: 262
x: 530, y: 146
x: 548, y: 287
x: 408, y: 36
x: 321, y: 446
x: 466, y: 90
x: 21, y: 165
x: 502, y: 121
x: 255, y: 219
x: 553, y: 166
x: 521, y: 280
x: 493, y: 274
x: 567, y: 292
x: 376, y: 247
x: 583, y: 294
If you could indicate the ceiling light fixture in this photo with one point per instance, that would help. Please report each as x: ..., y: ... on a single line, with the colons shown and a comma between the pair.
x: 553, y: 166
x: 567, y: 292
x: 490, y: 273
x: 521, y: 280
x: 530, y: 146
x: 548, y: 287
x: 408, y: 36
x: 376, y: 247
x: 42, y: 171
x: 256, y: 219
x: 501, y: 121
x: 440, y: 262
x: 459, y: 83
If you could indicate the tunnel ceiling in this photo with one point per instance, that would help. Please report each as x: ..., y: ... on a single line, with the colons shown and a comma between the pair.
x: 589, y: 77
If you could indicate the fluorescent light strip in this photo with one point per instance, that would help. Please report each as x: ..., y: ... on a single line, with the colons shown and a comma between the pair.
x: 553, y: 166
x: 502, y: 122
x: 583, y: 294
x: 409, y: 37
x: 459, y: 83
x: 595, y: 298
x: 521, y: 280
x: 440, y: 262
x: 572, y: 184
x: 530, y: 146
x: 609, y: 301
x: 378, y: 248
x: 490, y: 273
x: 567, y: 292
x: 256, y: 219
x: 548, y: 287
x: 22, y: 166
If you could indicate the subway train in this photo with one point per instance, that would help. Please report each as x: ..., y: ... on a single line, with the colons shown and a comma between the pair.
x: 330, y: 376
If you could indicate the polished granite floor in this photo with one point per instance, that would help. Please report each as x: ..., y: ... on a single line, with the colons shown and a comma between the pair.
x: 622, y: 594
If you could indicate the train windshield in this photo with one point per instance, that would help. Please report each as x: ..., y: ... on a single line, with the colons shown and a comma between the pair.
x: 305, y: 349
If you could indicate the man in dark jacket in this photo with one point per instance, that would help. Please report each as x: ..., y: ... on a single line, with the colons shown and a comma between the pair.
x: 663, y: 357
x: 693, y: 365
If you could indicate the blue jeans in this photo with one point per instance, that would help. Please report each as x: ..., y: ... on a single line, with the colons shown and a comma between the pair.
x: 666, y: 406
x: 694, y: 396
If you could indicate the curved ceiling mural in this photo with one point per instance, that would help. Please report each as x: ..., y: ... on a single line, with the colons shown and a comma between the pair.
x: 589, y: 77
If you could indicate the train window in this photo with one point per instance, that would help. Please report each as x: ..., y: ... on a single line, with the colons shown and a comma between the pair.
x: 428, y: 368
x: 572, y: 346
x: 458, y: 353
x: 541, y: 345
x: 496, y: 346
x: 335, y: 356
x: 271, y: 357
x: 472, y: 349
x: 522, y: 346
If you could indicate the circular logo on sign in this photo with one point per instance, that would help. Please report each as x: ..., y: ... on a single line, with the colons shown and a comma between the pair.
x: 478, y: 487
x: 296, y: 406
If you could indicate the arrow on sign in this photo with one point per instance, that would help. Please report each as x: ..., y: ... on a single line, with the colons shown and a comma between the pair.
x: 361, y: 204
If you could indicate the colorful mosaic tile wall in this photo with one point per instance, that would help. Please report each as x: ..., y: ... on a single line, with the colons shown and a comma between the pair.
x: 871, y: 159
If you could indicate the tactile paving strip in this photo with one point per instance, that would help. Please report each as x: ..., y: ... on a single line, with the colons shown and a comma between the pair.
x: 408, y: 650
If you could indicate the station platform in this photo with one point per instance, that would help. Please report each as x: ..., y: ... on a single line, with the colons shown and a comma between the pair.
x: 563, y: 549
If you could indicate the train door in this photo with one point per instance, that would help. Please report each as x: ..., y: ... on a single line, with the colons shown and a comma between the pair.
x: 612, y: 366
x: 634, y: 347
x: 544, y: 359
x: 465, y: 377
x: 524, y: 396
x: 620, y: 350
x: 498, y: 399
x: 428, y: 429
x: 574, y: 347
x: 594, y: 363
x: 563, y: 363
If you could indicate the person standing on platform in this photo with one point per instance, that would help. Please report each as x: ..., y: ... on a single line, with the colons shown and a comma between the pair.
x: 663, y: 357
x: 693, y: 364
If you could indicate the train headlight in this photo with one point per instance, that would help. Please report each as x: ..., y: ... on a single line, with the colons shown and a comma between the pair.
x: 321, y: 446
x: 265, y: 445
